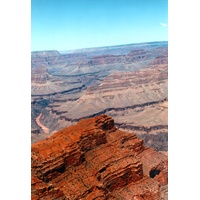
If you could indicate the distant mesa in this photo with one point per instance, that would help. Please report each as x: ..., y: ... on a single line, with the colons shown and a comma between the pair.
x: 45, y: 53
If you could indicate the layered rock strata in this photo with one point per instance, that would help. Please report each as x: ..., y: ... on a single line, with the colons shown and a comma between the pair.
x: 127, y: 82
x: 95, y: 160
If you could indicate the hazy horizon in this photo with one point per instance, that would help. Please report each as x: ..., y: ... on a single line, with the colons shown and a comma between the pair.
x: 118, y: 45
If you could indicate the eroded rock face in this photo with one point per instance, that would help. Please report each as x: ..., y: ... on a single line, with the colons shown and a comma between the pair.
x: 95, y: 160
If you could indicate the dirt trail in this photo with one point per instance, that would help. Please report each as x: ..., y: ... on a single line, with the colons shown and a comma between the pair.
x: 44, y: 128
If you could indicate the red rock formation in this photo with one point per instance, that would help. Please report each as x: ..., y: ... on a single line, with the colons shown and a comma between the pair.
x: 94, y: 160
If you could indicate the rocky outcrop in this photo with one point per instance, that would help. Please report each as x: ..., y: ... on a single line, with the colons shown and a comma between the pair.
x: 95, y: 160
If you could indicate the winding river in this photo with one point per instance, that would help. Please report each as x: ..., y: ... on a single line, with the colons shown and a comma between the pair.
x: 44, y: 128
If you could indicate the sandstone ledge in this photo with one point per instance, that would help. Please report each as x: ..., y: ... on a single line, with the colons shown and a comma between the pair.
x: 94, y: 160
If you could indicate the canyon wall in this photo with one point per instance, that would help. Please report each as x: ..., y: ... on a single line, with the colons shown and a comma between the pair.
x: 127, y: 82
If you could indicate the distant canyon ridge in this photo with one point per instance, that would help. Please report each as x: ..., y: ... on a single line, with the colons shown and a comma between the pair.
x: 127, y: 82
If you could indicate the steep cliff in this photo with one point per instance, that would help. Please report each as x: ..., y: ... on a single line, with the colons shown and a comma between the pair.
x: 95, y: 160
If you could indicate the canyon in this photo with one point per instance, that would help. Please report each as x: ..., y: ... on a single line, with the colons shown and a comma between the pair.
x: 127, y: 82
x: 93, y: 159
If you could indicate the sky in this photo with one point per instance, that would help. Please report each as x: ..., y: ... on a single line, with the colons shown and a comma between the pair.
x: 75, y: 24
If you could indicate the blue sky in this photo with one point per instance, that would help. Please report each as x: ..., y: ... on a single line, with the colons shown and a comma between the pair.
x: 74, y: 24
